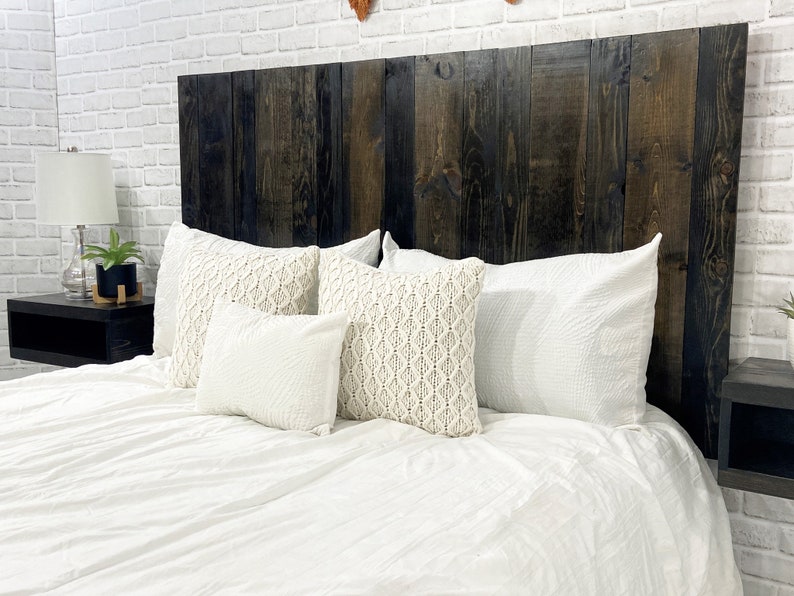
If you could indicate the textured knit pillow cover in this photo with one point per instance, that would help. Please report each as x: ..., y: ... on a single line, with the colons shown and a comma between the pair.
x: 566, y: 336
x: 279, y: 284
x: 409, y: 351
x: 281, y: 371
x: 181, y: 240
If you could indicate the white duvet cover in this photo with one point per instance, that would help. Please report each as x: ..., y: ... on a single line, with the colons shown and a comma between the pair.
x: 111, y: 484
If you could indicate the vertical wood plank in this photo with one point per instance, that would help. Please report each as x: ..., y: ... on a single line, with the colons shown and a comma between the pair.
x: 607, y: 129
x: 331, y: 225
x: 215, y: 211
x: 363, y: 90
x: 658, y: 184
x: 399, y: 207
x: 244, y: 127
x: 438, y: 144
x: 712, y: 228
x: 188, y: 147
x: 304, y: 163
x: 274, y: 156
x: 558, y: 150
x: 482, y: 225
x: 514, y: 78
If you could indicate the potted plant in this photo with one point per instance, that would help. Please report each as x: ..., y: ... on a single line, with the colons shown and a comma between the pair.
x: 114, y: 270
x: 788, y: 310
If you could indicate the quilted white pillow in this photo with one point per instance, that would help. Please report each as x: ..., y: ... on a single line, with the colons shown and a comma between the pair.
x: 279, y: 284
x: 566, y: 336
x: 181, y: 239
x: 409, y: 351
x: 281, y: 371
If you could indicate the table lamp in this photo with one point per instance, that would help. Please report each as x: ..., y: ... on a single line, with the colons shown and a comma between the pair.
x: 76, y: 189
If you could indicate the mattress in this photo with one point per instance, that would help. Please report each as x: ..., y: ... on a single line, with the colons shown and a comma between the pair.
x: 112, y: 483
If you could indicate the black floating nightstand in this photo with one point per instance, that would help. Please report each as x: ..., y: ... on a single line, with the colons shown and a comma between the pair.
x: 756, y: 441
x: 54, y: 330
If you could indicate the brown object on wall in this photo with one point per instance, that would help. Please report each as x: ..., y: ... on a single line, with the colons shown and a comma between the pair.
x: 511, y: 1
x: 361, y: 7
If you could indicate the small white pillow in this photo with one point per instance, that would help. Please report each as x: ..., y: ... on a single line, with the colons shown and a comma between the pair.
x: 281, y: 371
x: 277, y: 283
x: 567, y: 336
x: 181, y: 239
x: 409, y: 351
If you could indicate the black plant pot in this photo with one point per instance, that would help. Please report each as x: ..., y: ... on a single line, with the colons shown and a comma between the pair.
x: 107, y: 282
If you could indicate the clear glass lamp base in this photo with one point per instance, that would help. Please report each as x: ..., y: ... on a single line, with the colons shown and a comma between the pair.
x: 79, y: 275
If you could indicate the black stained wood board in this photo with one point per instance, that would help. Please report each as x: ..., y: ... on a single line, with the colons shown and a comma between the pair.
x: 508, y: 154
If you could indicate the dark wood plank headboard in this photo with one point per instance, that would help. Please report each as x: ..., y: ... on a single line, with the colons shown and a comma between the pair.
x: 508, y: 154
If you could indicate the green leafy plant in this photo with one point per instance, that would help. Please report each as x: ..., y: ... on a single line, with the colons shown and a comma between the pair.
x: 115, y: 253
x: 788, y: 309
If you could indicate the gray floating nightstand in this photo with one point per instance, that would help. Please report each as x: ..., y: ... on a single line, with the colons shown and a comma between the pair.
x: 55, y: 330
x: 756, y: 436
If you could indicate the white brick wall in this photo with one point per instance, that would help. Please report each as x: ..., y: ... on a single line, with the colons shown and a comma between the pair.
x: 117, y: 64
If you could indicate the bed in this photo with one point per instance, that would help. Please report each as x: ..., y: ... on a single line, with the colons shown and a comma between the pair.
x: 478, y: 215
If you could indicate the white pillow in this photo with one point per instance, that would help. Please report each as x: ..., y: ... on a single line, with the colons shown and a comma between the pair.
x: 409, y: 351
x: 181, y: 239
x: 281, y: 371
x: 566, y: 336
x: 277, y: 283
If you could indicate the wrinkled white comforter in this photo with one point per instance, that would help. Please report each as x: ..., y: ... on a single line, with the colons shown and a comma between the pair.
x: 110, y: 483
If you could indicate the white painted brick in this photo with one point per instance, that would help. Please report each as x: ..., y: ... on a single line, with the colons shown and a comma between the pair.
x: 755, y: 533
x: 777, y: 101
x: 276, y: 18
x: 781, y: 8
x: 778, y: 133
x: 170, y: 31
x: 259, y: 43
x: 122, y: 19
x: 567, y: 30
x: 316, y: 12
x: 771, y: 508
x: 205, y: 25
x: 776, y: 262
x: 740, y: 326
x: 337, y: 35
x: 154, y: 11
x: 297, y: 39
x: 768, y: 323
x: 404, y: 47
x: 453, y: 42
x: 533, y: 10
x: 183, y: 8
x: 787, y: 540
x: 719, y: 12
x: 767, y: 565
x: 428, y: 20
x: 38, y: 285
x: 753, y: 586
x: 400, y: 4
x: 610, y: 25
x: 240, y: 23
x: 574, y: 7
x: 141, y: 35
x: 479, y: 14
x: 677, y: 17
x: 222, y: 46
x: 37, y: 247
x: 766, y: 167
x: 507, y: 36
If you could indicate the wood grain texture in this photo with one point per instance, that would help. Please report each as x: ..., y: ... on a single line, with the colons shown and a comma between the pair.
x: 363, y: 91
x: 304, y: 150
x: 331, y: 228
x: 712, y: 230
x: 607, y: 131
x: 558, y: 149
x: 438, y: 138
x: 215, y: 209
x: 482, y: 225
x: 245, y: 199
x: 514, y: 97
x: 658, y: 188
x: 399, y: 208
x: 273, y: 92
x: 190, y: 183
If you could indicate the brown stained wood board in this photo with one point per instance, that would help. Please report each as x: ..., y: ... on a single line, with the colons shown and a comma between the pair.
x: 662, y: 91
x: 189, y: 147
x: 304, y: 162
x: 244, y: 156
x: 712, y: 231
x: 514, y: 77
x: 273, y: 104
x: 215, y: 212
x: 607, y: 129
x: 482, y: 226
x: 363, y: 90
x: 438, y: 139
x: 398, y: 200
x: 331, y: 228
x: 558, y: 132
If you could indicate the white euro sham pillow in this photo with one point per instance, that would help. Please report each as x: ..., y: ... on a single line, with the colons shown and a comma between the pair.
x: 181, y: 239
x: 276, y: 283
x: 409, y: 351
x: 281, y: 371
x: 565, y: 336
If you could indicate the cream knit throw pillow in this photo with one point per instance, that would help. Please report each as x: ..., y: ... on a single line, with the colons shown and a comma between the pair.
x: 278, y: 284
x: 409, y: 351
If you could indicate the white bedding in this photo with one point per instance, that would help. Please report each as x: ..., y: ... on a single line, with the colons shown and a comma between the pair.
x: 110, y: 483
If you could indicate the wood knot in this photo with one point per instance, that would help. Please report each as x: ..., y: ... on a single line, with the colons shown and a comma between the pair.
x: 727, y: 168
x: 445, y: 70
x: 721, y: 268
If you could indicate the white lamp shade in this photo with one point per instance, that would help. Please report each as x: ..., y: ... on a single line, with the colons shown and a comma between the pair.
x: 75, y: 189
